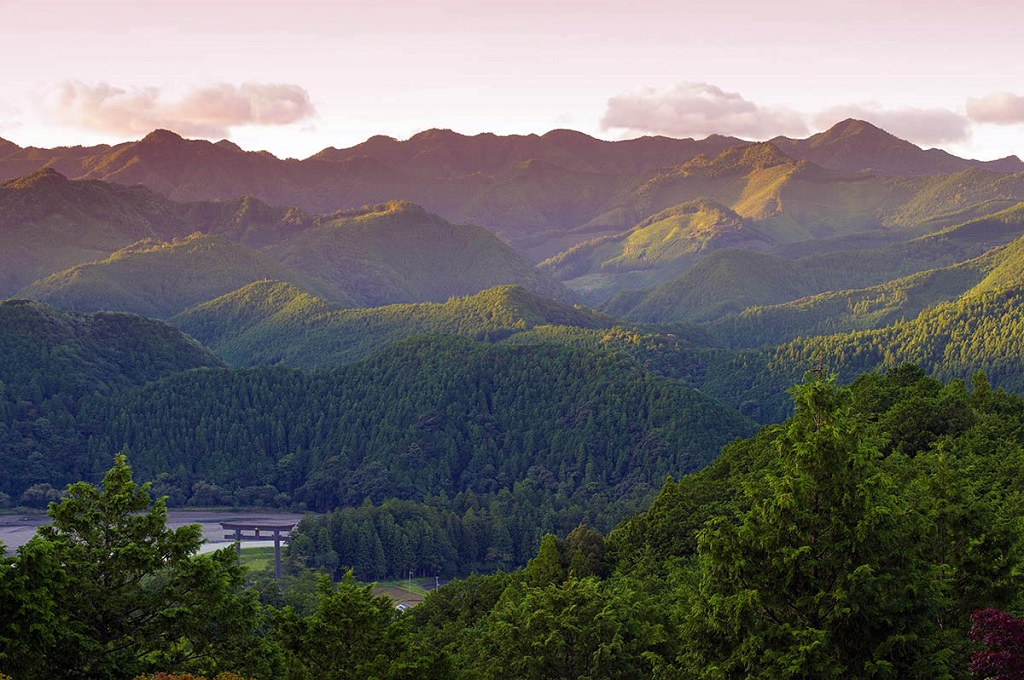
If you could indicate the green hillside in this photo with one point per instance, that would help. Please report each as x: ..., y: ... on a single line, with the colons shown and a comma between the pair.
x: 874, y: 307
x: 271, y: 322
x: 730, y: 281
x: 659, y: 248
x: 398, y: 252
x: 60, y: 237
x: 48, y: 223
x: 978, y: 332
x: 851, y: 310
x: 53, y: 363
x: 424, y: 416
x: 161, y: 279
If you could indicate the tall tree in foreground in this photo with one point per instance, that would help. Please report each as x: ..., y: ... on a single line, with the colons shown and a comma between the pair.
x: 820, y: 576
x: 107, y: 590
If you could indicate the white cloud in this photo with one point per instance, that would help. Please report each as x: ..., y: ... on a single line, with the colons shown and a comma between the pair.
x: 9, y: 117
x: 698, y: 110
x: 928, y: 127
x: 1001, y: 108
x: 204, y: 112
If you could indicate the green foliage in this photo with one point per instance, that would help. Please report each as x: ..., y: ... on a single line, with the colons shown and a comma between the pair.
x: 819, y: 577
x: 271, y: 322
x: 852, y: 541
x: 53, y: 363
x: 352, y: 634
x: 427, y: 415
x: 577, y: 629
x: 548, y: 566
x: 107, y: 590
x: 161, y: 279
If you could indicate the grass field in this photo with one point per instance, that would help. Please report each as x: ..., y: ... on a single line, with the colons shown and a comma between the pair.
x: 258, y: 558
x: 405, y: 591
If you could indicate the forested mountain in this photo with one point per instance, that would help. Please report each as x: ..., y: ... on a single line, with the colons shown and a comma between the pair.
x: 424, y: 416
x: 543, y: 193
x: 730, y: 281
x: 398, y: 252
x: 48, y: 224
x: 90, y: 245
x: 657, y: 249
x: 758, y: 199
x: 977, y: 332
x: 518, y: 185
x: 161, y: 279
x: 53, y: 362
x: 270, y: 322
x: 570, y: 432
x: 855, y: 145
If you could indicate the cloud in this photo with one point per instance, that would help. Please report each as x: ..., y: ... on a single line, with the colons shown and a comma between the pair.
x: 205, y: 112
x: 698, y: 110
x: 928, y: 127
x: 1001, y: 108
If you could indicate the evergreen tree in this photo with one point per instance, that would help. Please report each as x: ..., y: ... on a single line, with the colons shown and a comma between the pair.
x: 107, y: 590
x: 822, y: 576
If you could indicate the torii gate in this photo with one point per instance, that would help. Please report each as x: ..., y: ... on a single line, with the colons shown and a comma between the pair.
x: 276, y: 529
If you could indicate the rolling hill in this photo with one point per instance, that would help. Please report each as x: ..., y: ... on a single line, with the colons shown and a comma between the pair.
x: 53, y: 363
x: 426, y: 415
x: 104, y: 246
x: 272, y: 322
x: 161, y: 279
x: 729, y: 281
x: 655, y: 250
x: 399, y: 252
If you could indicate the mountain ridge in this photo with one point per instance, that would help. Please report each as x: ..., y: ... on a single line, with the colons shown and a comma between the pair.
x: 465, y: 178
x: 377, y: 254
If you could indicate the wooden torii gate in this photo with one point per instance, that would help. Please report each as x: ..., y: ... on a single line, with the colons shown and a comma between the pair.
x: 272, y: 532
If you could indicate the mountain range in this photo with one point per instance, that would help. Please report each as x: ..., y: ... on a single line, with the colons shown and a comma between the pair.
x: 720, y: 267
x: 89, y: 245
x: 541, y: 193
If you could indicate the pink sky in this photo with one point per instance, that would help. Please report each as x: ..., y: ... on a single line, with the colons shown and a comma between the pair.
x: 299, y: 76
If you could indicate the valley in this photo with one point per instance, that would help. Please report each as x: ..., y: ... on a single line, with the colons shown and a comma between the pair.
x: 543, y: 366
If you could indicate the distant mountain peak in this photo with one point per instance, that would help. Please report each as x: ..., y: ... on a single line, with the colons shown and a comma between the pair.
x: 44, y: 177
x: 854, y: 126
x: 162, y: 136
x: 229, y: 145
x: 863, y: 134
x: 441, y: 134
x: 854, y: 145
x: 564, y: 134
x: 744, y: 157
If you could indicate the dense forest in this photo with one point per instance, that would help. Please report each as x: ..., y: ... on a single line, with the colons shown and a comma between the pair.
x: 592, y: 482
x: 875, y: 533
x: 499, y: 444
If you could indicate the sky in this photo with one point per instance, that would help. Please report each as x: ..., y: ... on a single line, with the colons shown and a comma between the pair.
x: 296, y: 77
